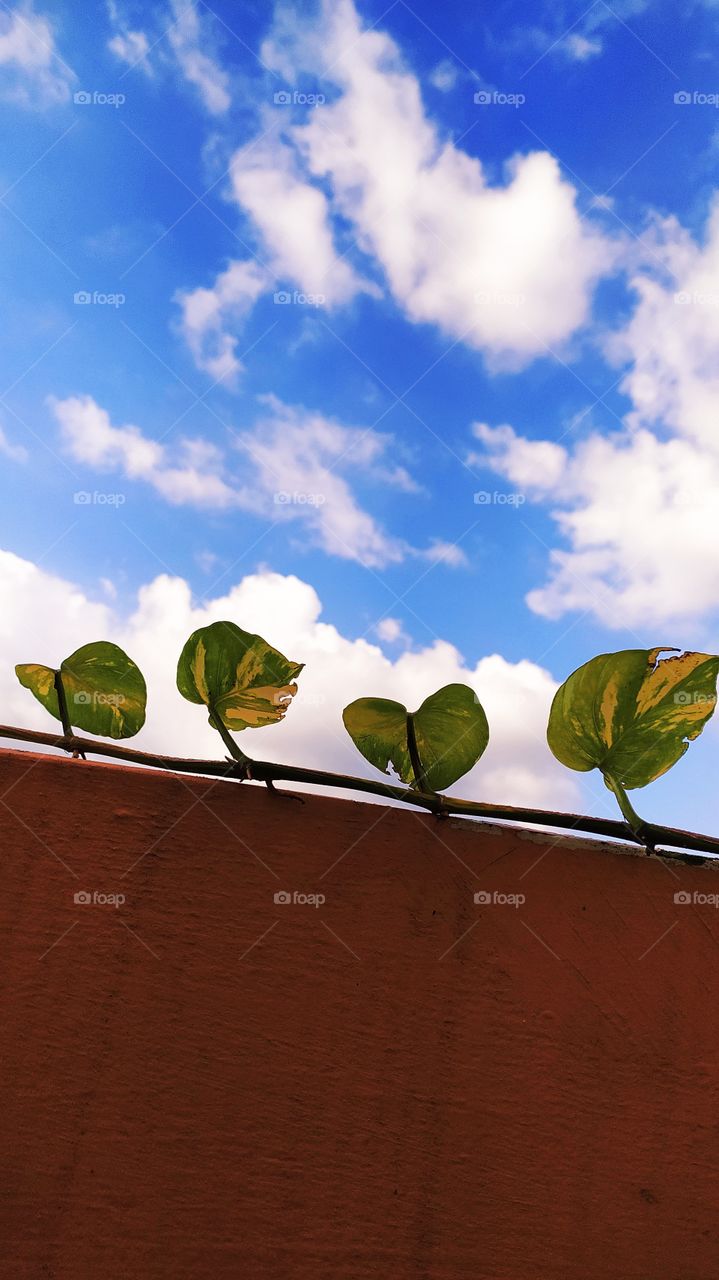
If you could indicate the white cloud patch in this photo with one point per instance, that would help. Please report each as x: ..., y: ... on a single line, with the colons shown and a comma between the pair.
x: 32, y: 72
x: 191, y: 41
x: 293, y: 218
x: 445, y: 75
x: 297, y: 249
x: 304, y: 459
x: 391, y: 631
x: 183, y: 37
x: 367, y: 186
x: 638, y: 507
x: 579, y: 48
x: 195, y: 480
x: 572, y: 30
x: 516, y: 769
x: 131, y: 47
x: 210, y: 317
x: 507, y: 268
x: 15, y: 452
x: 293, y: 466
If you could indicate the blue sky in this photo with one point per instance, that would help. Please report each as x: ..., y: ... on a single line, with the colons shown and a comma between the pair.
x: 285, y: 289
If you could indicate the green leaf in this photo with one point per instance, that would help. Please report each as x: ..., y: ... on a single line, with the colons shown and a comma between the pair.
x: 450, y: 731
x: 238, y: 676
x: 632, y: 714
x: 105, y: 692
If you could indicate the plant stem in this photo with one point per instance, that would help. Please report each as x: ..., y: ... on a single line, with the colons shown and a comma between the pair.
x: 265, y: 770
x: 417, y: 769
x: 414, y: 752
x: 636, y: 824
x: 236, y: 752
x: 62, y: 705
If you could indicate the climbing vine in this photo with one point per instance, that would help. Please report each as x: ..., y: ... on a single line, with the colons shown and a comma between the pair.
x: 631, y: 715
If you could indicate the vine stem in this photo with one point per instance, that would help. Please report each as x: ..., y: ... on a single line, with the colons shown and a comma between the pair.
x: 62, y: 705
x: 417, y: 769
x: 638, y: 827
x: 235, y: 751
x: 265, y: 770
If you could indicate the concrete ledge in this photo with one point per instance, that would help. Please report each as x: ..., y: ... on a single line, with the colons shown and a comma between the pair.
x: 397, y: 1083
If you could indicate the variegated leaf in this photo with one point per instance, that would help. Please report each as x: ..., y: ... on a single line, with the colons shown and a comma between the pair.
x: 632, y: 714
x: 238, y: 676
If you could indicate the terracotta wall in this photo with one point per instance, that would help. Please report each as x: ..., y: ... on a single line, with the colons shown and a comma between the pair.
x: 399, y: 1082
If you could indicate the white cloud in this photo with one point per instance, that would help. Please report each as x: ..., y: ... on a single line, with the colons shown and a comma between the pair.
x: 570, y: 29
x: 190, y: 40
x: 445, y: 75
x: 507, y: 268
x: 292, y: 466
x: 16, y: 452
x: 292, y: 216
x: 638, y: 507
x: 131, y: 47
x: 207, y: 313
x: 516, y: 769
x: 579, y: 48
x: 300, y: 458
x: 32, y: 73
x: 391, y: 631
x: 90, y: 437
x: 297, y: 246
x: 440, y: 552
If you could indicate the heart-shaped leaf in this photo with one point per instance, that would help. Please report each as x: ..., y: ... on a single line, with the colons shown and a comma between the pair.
x: 446, y: 736
x: 632, y: 714
x: 104, y: 690
x: 238, y: 676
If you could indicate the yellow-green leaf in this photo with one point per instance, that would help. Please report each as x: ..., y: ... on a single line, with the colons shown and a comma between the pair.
x: 105, y: 692
x: 450, y: 733
x: 632, y: 714
x: 239, y: 677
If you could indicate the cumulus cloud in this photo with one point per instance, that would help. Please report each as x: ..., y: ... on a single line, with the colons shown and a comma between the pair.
x: 292, y: 466
x: 293, y: 219
x: 638, y: 508
x: 516, y: 769
x: 365, y: 190
x: 508, y: 268
x: 297, y: 248
x: 32, y: 72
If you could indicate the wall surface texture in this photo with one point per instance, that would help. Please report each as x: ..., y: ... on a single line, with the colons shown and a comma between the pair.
x: 399, y: 1082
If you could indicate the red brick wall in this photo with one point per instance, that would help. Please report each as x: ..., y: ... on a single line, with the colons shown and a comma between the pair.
x: 396, y: 1083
